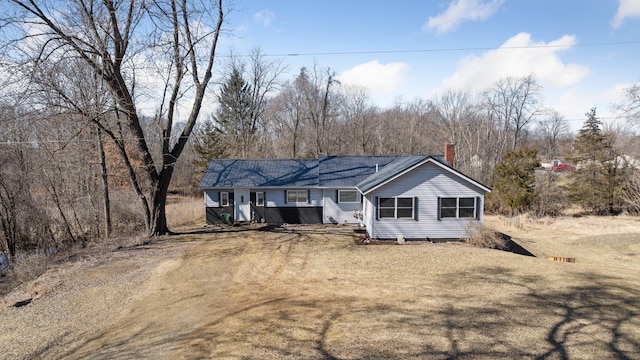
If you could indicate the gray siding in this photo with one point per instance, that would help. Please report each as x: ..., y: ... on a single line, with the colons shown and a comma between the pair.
x: 276, y: 197
x: 335, y: 212
x: 273, y: 197
x: 426, y: 183
x: 212, y: 197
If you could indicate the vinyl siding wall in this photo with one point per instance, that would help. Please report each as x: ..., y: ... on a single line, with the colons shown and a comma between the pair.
x: 336, y: 212
x: 273, y: 197
x: 212, y: 197
x: 426, y: 183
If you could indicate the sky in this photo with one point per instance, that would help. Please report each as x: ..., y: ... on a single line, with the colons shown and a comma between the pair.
x: 583, y: 52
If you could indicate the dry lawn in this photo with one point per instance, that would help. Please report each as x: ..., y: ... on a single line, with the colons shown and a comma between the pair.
x: 313, y: 293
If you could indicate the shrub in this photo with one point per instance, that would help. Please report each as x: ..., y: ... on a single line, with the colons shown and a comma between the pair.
x: 514, y: 182
x: 550, y: 199
x: 481, y: 236
x: 28, y: 267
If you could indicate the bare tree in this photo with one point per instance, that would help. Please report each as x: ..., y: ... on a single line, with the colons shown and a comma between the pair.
x: 514, y: 103
x: 630, y: 107
x: 24, y: 222
x: 287, y: 117
x: 264, y: 77
x: 456, y: 113
x: 357, y: 129
x: 123, y: 42
x: 409, y: 128
x: 630, y: 193
x: 316, y: 86
x: 552, y: 127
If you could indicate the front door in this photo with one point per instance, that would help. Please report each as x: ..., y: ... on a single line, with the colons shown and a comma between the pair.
x: 242, y: 205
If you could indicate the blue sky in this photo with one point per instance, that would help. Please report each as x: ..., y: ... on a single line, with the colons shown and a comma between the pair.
x: 582, y: 51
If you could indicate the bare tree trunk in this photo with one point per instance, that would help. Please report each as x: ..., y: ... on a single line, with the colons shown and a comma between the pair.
x: 56, y: 200
x: 105, y: 186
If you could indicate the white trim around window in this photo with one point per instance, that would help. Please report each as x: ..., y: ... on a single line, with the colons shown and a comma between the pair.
x: 259, y: 198
x: 396, y: 208
x: 348, y: 196
x: 224, y: 199
x: 457, y: 208
x: 297, y: 196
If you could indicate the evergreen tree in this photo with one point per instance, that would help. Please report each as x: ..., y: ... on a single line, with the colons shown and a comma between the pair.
x: 596, y: 182
x: 234, y: 116
x: 514, y: 181
x: 208, y: 144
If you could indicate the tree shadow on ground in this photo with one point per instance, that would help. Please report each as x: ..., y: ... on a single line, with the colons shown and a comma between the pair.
x: 515, y: 314
x: 598, y: 320
x: 514, y: 247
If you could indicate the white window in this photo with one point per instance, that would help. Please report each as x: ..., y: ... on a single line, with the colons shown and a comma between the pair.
x: 458, y: 207
x: 224, y: 199
x: 259, y: 198
x: 396, y: 208
x: 296, y: 196
x: 348, y: 196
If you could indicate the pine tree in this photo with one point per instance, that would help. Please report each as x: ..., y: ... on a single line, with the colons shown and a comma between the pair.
x: 596, y: 182
x: 208, y: 144
x: 234, y: 116
x: 514, y: 180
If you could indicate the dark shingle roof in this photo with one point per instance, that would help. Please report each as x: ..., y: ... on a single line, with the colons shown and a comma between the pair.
x: 347, y: 171
x: 330, y: 171
x: 228, y: 173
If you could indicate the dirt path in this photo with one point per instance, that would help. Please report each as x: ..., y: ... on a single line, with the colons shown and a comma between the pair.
x: 315, y: 294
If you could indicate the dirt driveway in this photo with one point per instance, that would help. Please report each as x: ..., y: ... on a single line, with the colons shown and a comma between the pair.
x: 301, y: 293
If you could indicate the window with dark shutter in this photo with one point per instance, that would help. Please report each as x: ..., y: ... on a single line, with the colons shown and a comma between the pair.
x: 404, y: 208
x: 467, y: 207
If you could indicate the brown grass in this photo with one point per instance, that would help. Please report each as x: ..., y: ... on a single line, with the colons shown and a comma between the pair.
x: 313, y: 293
x: 185, y: 211
x: 28, y: 267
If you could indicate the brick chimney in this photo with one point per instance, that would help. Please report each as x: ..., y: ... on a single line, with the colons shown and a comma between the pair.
x: 450, y: 154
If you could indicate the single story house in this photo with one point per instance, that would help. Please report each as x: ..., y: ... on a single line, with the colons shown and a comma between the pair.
x: 417, y: 197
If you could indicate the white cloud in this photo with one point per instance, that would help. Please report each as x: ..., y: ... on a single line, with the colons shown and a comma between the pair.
x: 616, y: 93
x: 518, y: 56
x: 378, y: 78
x: 265, y: 17
x: 573, y: 104
x: 626, y: 9
x: 462, y: 10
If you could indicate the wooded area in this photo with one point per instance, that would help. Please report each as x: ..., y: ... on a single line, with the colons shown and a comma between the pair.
x: 103, y: 104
